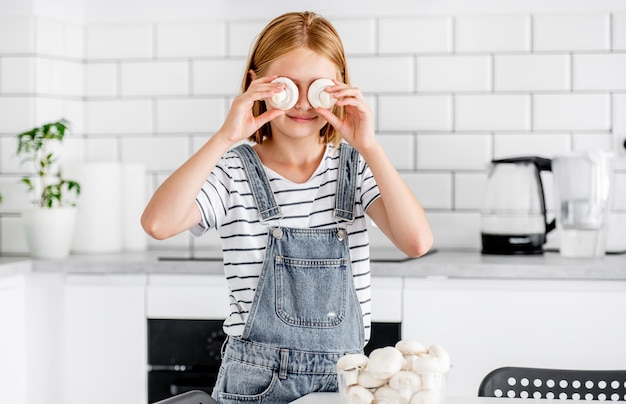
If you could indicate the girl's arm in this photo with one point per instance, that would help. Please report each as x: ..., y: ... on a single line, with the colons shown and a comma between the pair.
x: 397, y: 212
x: 172, y: 208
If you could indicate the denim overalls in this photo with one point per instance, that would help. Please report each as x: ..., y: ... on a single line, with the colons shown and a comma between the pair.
x: 305, y: 314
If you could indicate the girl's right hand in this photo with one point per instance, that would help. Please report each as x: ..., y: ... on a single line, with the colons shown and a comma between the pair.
x: 240, y: 123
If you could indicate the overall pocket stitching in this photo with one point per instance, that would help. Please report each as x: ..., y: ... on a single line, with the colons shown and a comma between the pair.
x: 289, y: 268
x: 250, y: 397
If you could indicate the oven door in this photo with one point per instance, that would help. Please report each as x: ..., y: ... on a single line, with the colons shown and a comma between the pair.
x: 163, y: 384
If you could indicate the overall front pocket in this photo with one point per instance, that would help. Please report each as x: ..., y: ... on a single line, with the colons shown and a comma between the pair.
x: 311, y: 292
x: 240, y: 382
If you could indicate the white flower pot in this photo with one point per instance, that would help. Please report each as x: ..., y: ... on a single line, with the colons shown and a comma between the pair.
x: 49, y: 231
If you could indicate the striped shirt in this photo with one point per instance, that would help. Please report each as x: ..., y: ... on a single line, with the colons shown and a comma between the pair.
x: 226, y: 204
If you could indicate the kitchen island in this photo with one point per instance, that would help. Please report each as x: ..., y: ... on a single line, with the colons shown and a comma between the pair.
x: 487, y: 311
x: 333, y: 398
x: 439, y: 264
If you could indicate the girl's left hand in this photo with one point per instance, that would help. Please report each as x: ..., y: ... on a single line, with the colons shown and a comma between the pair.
x: 357, y: 125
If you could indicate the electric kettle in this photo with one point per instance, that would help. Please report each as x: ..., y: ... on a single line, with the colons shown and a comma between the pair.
x: 513, y: 215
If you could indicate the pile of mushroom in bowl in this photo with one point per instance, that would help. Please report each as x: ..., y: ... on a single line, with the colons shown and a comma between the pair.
x: 407, y: 373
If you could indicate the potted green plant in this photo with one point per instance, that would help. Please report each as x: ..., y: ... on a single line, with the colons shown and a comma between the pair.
x: 49, y: 222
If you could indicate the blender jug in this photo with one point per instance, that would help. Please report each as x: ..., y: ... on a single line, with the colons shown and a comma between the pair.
x: 583, y: 191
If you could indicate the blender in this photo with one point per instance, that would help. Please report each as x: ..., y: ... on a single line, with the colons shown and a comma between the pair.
x: 583, y: 194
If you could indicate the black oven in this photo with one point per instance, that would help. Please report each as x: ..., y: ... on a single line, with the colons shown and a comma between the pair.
x: 184, y: 355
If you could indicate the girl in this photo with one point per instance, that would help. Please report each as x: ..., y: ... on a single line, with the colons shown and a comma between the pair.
x: 290, y: 211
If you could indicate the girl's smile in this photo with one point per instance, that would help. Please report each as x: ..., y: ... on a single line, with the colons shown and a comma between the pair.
x: 302, y: 119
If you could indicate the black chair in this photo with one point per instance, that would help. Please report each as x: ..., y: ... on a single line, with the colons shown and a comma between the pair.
x: 565, y: 384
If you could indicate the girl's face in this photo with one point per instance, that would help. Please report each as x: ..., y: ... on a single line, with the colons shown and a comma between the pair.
x: 303, y: 67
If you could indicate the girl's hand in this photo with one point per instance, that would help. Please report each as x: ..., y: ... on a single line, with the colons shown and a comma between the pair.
x: 357, y: 126
x: 240, y: 123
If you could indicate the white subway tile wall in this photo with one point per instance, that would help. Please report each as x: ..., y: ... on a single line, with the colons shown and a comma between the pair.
x: 572, y: 32
x: 454, y: 73
x: 492, y: 33
x: 415, y: 35
x: 358, y: 35
x: 619, y: 31
x: 600, y: 72
x: 17, y: 75
x: 449, y: 94
x: 534, y: 73
x: 190, y: 40
x: 154, y: 78
x: 17, y: 35
x: 492, y: 112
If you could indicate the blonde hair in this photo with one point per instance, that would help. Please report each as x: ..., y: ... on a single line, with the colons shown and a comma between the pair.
x: 284, y: 34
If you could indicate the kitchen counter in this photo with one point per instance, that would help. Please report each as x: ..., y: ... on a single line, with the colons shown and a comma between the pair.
x: 478, y: 307
x: 333, y: 398
x: 437, y: 264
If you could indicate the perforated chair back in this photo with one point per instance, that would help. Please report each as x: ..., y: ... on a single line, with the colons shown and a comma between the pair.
x: 565, y: 384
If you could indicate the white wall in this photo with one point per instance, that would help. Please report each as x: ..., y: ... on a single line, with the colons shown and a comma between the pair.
x: 160, y: 10
x: 148, y: 81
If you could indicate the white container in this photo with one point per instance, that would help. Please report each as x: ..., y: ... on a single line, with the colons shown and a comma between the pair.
x: 99, y: 216
x: 49, y: 231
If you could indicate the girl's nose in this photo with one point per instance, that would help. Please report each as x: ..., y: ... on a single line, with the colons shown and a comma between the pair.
x: 303, y: 103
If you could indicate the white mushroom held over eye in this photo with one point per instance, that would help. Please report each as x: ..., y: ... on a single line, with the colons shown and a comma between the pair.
x: 318, y: 96
x: 287, y: 98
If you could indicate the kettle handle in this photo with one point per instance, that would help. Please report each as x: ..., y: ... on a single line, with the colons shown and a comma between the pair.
x: 544, y: 164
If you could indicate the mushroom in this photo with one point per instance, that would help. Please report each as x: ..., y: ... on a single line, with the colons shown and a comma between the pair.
x: 444, y: 359
x: 410, y: 350
x: 385, y: 362
x: 405, y: 380
x: 410, y: 347
x: 388, y: 395
x: 358, y: 395
x: 287, y: 98
x: 426, y: 397
x: 406, y: 383
x: 317, y: 95
x: 429, y: 368
x: 349, y: 366
x: 369, y: 380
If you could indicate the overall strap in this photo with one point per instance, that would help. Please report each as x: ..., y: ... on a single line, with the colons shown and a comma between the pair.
x: 345, y: 199
x: 263, y: 195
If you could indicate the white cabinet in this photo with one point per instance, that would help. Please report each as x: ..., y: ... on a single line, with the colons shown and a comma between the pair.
x: 187, y: 297
x: 485, y: 324
x: 12, y: 341
x: 105, y: 339
x: 30, y: 336
x: 387, y: 299
x: 82, y: 338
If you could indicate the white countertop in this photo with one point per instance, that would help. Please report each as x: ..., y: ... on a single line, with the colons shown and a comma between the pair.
x: 438, y: 264
x: 333, y: 398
